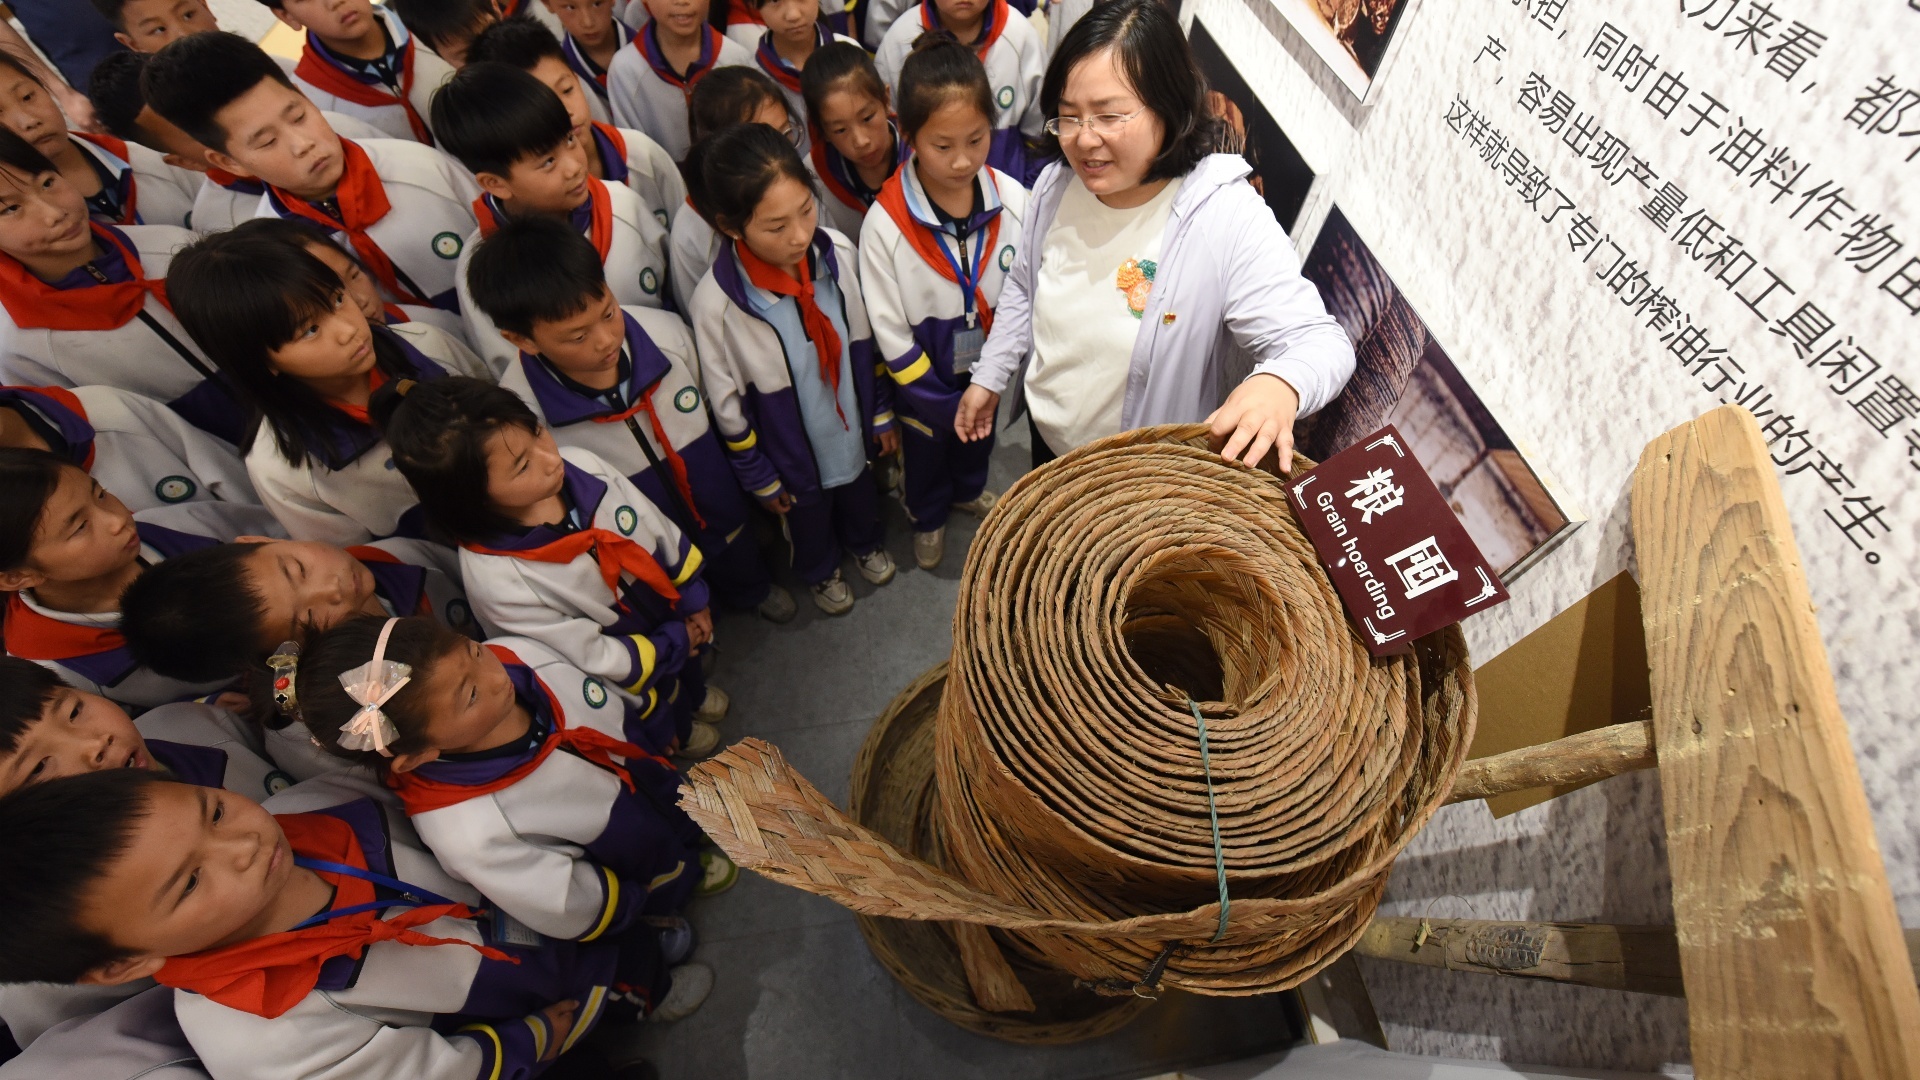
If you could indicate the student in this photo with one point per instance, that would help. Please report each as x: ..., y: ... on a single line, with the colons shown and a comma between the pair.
x: 447, y: 27
x: 135, y: 446
x: 795, y: 29
x: 933, y: 254
x: 146, y: 26
x: 855, y: 144
x: 123, y: 184
x: 651, y: 79
x: 514, y: 135
x: 84, y: 304
x: 305, y: 944
x: 623, y: 384
x: 405, y: 209
x: 280, y: 326
x: 579, y: 846
x: 788, y: 362
x: 616, y: 155
x: 732, y: 96
x: 559, y: 547
x: 590, y: 36
x: 69, y: 548
x: 361, y: 61
x: 411, y: 321
x: 1016, y: 62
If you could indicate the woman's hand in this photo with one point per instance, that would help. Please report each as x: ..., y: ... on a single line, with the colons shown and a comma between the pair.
x: 973, y: 421
x: 889, y: 441
x: 1257, y: 417
x: 779, y: 504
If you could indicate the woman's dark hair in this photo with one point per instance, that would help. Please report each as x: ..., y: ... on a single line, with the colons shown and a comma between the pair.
x: 522, y: 41
x: 195, y: 617
x: 27, y: 480
x: 62, y: 837
x: 741, y: 163
x: 1152, y: 55
x: 939, y: 70
x: 437, y: 432
x: 834, y: 65
x: 534, y: 269
x: 196, y: 76
x: 490, y: 115
x: 419, y: 642
x: 25, y: 689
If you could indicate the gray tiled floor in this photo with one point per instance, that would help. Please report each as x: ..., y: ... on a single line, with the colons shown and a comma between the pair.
x: 798, y: 996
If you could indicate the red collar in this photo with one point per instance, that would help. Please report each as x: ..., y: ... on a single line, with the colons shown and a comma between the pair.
x: 30, y: 635
x: 35, y: 305
x: 322, y: 74
x: 927, y: 243
x: 600, y: 220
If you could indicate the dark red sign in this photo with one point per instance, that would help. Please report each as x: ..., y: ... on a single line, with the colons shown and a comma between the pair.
x: 1397, y: 553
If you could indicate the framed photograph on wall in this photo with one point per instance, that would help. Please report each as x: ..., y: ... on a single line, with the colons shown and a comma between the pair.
x: 1349, y: 36
x: 1280, y: 174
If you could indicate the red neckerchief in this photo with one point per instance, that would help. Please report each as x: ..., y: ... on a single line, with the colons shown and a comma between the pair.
x: 368, y: 554
x: 268, y: 975
x: 35, y: 305
x: 245, y: 185
x: 643, y: 403
x: 615, y: 554
x: 990, y: 33
x: 649, y: 44
x: 64, y: 399
x: 421, y: 794
x: 819, y: 328
x: 129, y: 206
x: 30, y: 635
x: 744, y: 11
x: 318, y: 72
x: 375, y: 380
x: 776, y: 66
x: 612, y: 135
x: 599, y: 229
x: 818, y: 148
x: 926, y: 242
x: 362, y: 198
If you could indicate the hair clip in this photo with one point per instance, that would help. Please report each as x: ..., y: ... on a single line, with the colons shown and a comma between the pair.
x: 285, y: 663
x: 372, y: 685
x: 404, y: 387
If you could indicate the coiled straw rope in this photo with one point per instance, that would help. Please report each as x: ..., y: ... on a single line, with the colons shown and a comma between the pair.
x: 1109, y: 597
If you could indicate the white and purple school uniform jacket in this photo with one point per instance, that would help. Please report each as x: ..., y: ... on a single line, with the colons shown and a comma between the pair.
x: 136, y: 447
x: 393, y: 93
x: 348, y: 491
x: 225, y: 200
x: 593, y: 77
x: 649, y: 95
x: 787, y: 77
x: 425, y: 1012
x: 632, y: 635
x: 567, y: 830
x: 147, y: 353
x: 207, y: 745
x: 917, y: 310
x: 425, y: 228
x: 86, y: 649
x: 630, y: 157
x: 746, y: 365
x: 1016, y: 61
x: 632, y: 246
x: 137, y: 186
x: 134, y: 1039
x: 693, y: 245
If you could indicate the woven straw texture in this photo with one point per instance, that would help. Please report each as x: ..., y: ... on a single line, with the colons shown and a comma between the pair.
x: 1069, y: 804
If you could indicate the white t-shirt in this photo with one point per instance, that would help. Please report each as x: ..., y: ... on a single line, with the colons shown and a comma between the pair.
x: 1095, y: 273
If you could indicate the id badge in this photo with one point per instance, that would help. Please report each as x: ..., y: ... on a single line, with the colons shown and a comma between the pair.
x: 504, y: 929
x: 966, y: 349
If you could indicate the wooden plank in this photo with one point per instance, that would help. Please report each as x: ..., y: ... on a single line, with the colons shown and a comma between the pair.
x: 1576, y: 759
x: 1792, y: 951
x: 1643, y: 959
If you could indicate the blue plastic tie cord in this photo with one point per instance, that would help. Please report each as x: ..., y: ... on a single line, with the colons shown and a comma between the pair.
x: 1213, y: 818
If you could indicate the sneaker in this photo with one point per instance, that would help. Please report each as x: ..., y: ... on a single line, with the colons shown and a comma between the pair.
x: 980, y: 504
x: 877, y: 567
x: 930, y: 547
x: 833, y: 595
x: 702, y: 741
x: 678, y: 941
x: 888, y: 474
x: 691, y: 985
x: 713, y: 708
x: 778, y: 607
x: 718, y: 872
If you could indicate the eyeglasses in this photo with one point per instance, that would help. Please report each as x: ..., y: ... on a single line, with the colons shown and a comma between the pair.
x: 1105, y: 125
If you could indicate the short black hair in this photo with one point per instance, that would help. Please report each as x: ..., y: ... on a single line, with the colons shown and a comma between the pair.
x: 729, y: 96
x: 737, y: 168
x: 61, y: 838
x: 522, y: 41
x: 195, y: 617
x: 830, y: 67
x: 437, y: 432
x: 438, y: 22
x: 1156, y: 61
x: 490, y: 115
x: 27, y: 480
x: 534, y: 269
x: 417, y: 641
x: 114, y: 89
x: 939, y: 70
x: 25, y: 689
x: 21, y: 158
x: 193, y: 78
x: 113, y: 11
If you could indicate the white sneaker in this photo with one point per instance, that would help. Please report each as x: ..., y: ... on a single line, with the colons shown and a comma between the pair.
x: 930, y: 547
x: 714, y: 708
x: 703, y: 740
x: 778, y: 607
x: 691, y: 985
x: 980, y: 505
x: 876, y: 567
x: 833, y: 596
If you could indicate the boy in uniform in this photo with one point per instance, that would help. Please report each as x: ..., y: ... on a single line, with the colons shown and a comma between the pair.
x: 363, y: 62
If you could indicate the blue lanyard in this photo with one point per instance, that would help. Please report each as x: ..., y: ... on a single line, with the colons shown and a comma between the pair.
x: 969, y: 278
x: 410, y: 895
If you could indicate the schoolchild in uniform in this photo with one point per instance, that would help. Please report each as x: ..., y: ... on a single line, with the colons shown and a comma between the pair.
x: 411, y: 321
x: 327, y: 942
x: 732, y: 96
x: 624, y: 384
x: 448, y: 27
x: 787, y: 357
x: 518, y: 771
x: 796, y: 29
x: 69, y: 548
x: 146, y: 26
x: 616, y: 155
x: 361, y: 61
x: 590, y: 37
x: 515, y: 136
x: 279, y: 324
x: 855, y: 144
x: 135, y: 446
x: 651, y: 79
x: 405, y: 209
x: 1015, y: 59
x: 85, y: 304
x: 123, y: 183
x: 933, y: 254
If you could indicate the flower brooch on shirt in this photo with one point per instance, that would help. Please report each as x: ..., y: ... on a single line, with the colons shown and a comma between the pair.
x: 1135, y: 279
